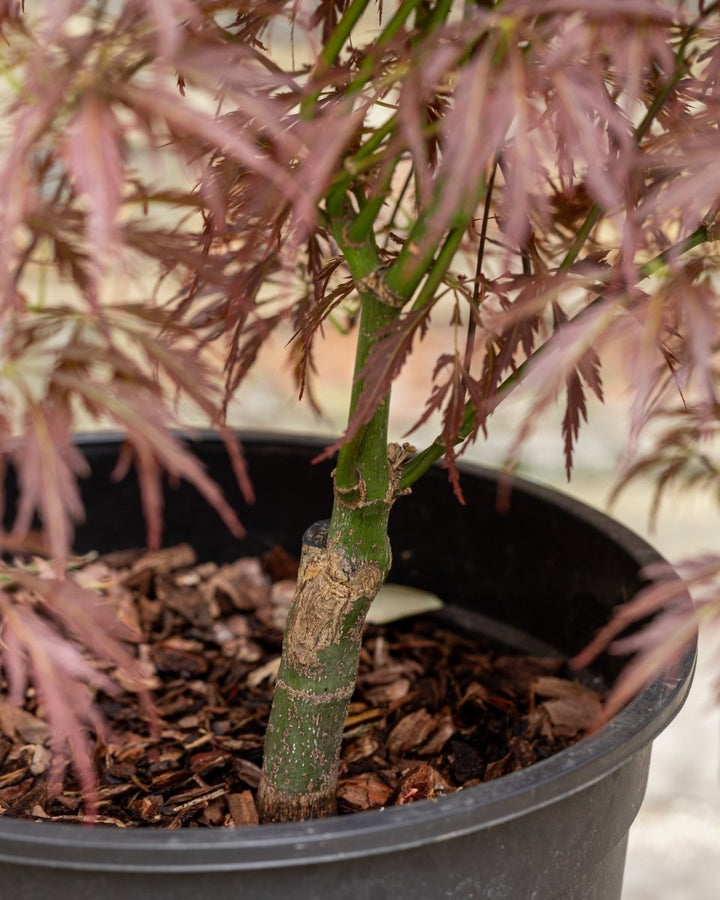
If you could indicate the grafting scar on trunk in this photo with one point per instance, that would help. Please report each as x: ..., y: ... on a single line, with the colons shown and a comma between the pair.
x: 332, y: 594
x: 316, y: 679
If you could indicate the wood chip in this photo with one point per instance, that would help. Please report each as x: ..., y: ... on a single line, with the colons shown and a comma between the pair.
x: 421, y: 782
x: 268, y: 672
x: 161, y: 562
x: 411, y: 731
x: 242, y: 809
x: 387, y: 693
x: 181, y: 801
x: 365, y: 791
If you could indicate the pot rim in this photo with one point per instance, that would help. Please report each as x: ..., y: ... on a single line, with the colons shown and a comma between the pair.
x: 480, y: 807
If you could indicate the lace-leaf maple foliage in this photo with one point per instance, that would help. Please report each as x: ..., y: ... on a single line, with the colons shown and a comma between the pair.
x: 179, y: 179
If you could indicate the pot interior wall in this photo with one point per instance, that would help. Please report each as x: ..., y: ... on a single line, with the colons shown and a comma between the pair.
x: 542, y: 562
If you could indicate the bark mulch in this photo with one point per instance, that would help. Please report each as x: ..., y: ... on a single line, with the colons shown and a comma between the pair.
x: 434, y: 710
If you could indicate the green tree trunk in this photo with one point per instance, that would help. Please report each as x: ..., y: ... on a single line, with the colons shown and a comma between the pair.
x: 343, y: 564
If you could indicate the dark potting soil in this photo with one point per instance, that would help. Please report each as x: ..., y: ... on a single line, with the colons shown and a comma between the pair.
x: 434, y: 710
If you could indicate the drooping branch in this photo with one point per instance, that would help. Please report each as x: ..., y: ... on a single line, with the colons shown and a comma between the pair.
x: 416, y: 467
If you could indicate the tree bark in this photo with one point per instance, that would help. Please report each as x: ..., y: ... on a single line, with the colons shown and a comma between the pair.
x: 316, y: 680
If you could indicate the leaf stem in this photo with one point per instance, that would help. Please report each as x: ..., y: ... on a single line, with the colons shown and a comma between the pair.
x: 398, y: 203
x: 342, y: 33
x: 401, y: 15
x: 416, y: 255
x: 439, y: 267
x: 479, y: 260
x: 581, y: 237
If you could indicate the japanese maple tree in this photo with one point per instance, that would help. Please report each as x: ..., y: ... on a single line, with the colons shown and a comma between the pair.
x: 179, y: 178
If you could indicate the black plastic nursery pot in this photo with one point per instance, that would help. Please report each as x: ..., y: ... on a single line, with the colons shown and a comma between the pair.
x: 549, y: 568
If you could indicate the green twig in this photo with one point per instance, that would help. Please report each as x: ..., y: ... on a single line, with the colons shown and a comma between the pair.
x: 422, y: 461
x: 398, y: 204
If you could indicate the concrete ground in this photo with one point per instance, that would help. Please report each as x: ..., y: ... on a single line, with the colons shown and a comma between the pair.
x: 674, y: 851
x: 674, y: 848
